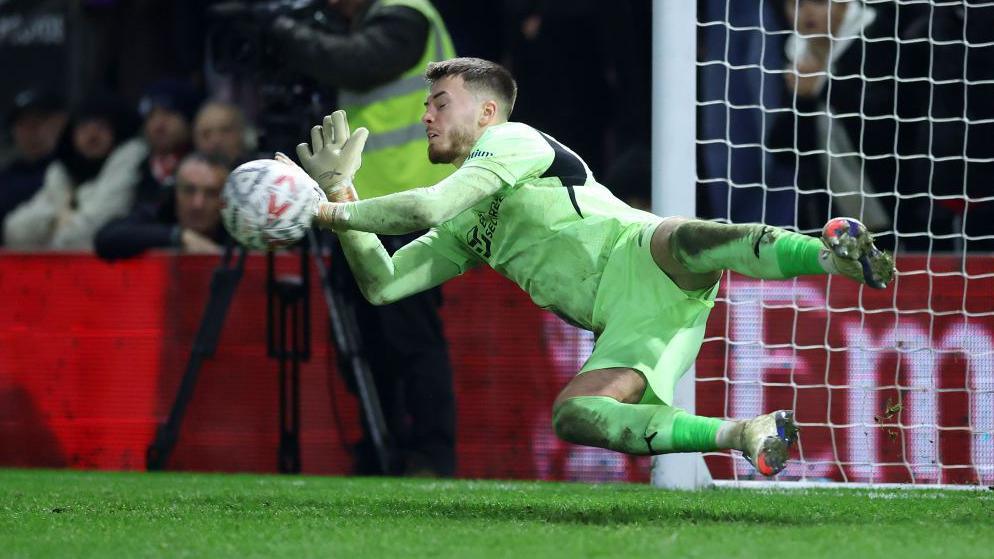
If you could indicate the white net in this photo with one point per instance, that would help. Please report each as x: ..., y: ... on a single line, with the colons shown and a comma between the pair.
x: 881, y: 111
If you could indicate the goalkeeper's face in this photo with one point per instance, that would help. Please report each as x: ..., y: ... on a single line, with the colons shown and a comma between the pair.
x: 452, y: 120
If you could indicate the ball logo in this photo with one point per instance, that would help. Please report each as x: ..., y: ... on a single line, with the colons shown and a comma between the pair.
x: 287, y: 180
x: 275, y: 211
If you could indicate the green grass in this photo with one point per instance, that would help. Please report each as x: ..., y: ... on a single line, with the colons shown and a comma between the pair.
x: 88, y: 514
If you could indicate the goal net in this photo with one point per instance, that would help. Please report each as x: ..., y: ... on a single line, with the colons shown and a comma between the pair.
x: 882, y: 111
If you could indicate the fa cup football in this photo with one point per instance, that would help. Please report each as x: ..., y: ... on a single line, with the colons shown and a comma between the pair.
x: 267, y: 204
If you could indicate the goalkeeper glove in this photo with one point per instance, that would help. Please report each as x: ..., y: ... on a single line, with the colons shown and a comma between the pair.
x: 327, y: 214
x: 334, y: 156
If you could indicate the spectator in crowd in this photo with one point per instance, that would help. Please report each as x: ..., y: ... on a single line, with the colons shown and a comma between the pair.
x: 840, y: 126
x: 377, y: 67
x: 219, y: 129
x: 36, y: 122
x: 90, y: 182
x: 168, y: 107
x: 189, y: 220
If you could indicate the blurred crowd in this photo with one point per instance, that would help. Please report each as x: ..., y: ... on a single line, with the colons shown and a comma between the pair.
x: 893, y: 126
x: 123, y: 120
x: 103, y: 177
x: 873, y: 109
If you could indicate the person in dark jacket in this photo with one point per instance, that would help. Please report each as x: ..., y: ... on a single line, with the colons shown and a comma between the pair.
x: 188, y: 220
x: 375, y: 62
x: 167, y: 107
x: 849, y: 118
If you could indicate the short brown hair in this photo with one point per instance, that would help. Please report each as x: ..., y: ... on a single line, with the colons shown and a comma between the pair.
x: 477, y: 73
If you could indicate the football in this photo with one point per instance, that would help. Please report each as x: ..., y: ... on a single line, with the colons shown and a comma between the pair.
x: 267, y: 204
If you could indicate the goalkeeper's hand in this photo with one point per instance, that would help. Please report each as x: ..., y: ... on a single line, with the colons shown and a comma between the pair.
x: 347, y: 195
x: 326, y: 214
x: 334, y: 156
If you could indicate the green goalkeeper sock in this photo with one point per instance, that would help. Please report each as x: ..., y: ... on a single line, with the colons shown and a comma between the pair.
x: 634, y: 428
x: 754, y: 250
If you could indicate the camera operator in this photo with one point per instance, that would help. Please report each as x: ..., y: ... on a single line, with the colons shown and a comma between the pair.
x: 376, y: 64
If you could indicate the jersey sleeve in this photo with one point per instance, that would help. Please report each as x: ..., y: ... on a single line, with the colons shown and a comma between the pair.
x: 513, y: 151
x: 443, y: 241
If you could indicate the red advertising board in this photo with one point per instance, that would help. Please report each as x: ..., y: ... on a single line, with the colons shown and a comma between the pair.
x: 894, y: 385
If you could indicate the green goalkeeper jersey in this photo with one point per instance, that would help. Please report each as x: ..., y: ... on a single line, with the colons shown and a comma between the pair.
x: 550, y: 229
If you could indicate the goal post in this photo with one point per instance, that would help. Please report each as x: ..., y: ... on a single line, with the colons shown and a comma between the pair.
x: 892, y: 387
x: 674, y: 181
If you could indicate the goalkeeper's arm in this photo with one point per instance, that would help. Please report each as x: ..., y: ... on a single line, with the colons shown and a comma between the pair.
x: 412, y: 210
x: 384, y: 279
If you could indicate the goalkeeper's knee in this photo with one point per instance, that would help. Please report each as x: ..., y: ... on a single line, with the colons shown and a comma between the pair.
x: 704, y: 246
x: 755, y: 250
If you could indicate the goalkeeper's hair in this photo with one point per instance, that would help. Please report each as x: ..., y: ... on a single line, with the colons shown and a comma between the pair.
x: 478, y: 74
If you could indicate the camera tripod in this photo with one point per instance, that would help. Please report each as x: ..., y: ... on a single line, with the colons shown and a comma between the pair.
x: 288, y: 340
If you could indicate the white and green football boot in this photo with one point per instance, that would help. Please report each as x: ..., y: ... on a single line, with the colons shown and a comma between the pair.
x: 849, y: 251
x: 766, y: 441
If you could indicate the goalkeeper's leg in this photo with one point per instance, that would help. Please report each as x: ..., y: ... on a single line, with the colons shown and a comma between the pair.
x: 694, y: 252
x: 598, y: 408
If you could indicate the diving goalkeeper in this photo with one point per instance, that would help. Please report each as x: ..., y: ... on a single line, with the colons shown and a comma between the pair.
x: 529, y: 207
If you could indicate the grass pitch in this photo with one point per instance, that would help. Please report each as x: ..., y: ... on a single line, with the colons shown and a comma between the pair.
x: 87, y: 514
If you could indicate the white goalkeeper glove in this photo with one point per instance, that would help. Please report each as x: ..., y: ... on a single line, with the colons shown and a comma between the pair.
x: 334, y: 156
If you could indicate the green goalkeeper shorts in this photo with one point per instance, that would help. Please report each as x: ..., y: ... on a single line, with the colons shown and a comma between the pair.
x: 646, y: 322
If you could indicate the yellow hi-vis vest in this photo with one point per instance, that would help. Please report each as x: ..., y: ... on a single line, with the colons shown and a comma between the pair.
x: 396, y: 154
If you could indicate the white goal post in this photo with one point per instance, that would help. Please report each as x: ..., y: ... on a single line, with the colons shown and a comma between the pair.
x: 674, y: 180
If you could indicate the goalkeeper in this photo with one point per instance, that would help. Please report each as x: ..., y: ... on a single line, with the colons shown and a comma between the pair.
x: 529, y: 207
